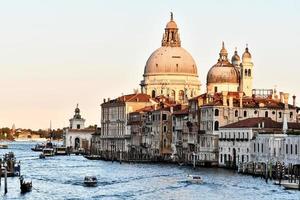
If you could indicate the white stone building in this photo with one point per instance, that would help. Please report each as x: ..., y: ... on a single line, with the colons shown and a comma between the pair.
x: 77, y: 136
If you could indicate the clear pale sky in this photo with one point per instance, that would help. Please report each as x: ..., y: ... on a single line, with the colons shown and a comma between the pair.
x: 57, y: 53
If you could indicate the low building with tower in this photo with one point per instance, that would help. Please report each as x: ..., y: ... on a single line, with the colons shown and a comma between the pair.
x: 77, y: 137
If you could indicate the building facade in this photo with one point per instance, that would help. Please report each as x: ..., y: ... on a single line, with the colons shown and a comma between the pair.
x: 77, y: 136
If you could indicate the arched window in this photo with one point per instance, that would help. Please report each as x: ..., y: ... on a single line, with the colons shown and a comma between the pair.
x: 249, y: 72
x: 181, y: 95
x: 245, y: 113
x: 216, y: 125
x: 216, y: 89
x: 296, y: 149
x: 291, y: 149
x: 153, y: 94
x: 236, y: 113
x: 291, y: 114
x: 216, y: 112
x: 246, y: 72
x: 280, y: 114
x: 266, y: 114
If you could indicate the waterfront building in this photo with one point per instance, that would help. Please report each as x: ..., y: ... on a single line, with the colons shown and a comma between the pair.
x: 115, y: 134
x: 259, y: 140
x: 238, y: 140
x: 151, y: 130
x: 292, y: 144
x: 220, y: 109
x: 171, y: 70
x: 180, y: 137
x: 77, y: 136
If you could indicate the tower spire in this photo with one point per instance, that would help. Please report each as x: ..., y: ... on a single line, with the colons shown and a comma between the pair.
x: 171, y: 16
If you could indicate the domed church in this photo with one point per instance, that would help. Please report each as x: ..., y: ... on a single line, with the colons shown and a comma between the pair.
x: 231, y: 77
x: 170, y: 70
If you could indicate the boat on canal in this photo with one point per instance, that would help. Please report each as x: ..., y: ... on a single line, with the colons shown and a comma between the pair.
x: 196, y: 179
x: 38, y: 147
x: 25, y: 186
x: 90, y: 181
x: 61, y: 150
x: 291, y: 185
x: 3, y: 146
x: 47, y: 152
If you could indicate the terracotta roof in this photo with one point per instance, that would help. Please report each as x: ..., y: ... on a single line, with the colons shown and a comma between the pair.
x: 138, y: 97
x: 254, y: 123
x: 248, y: 102
x: 182, y: 112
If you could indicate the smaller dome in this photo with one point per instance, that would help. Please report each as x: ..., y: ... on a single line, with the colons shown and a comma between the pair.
x: 235, y: 57
x: 246, y: 56
x: 223, y: 72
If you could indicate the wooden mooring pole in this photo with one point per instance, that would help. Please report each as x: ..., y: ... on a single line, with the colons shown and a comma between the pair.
x: 5, y: 180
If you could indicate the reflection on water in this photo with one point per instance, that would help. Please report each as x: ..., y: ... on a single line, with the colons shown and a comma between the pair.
x: 62, y: 177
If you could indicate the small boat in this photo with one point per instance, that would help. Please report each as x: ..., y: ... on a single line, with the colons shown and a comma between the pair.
x: 3, y: 146
x: 25, y: 186
x: 292, y: 186
x: 48, y: 152
x: 61, y: 150
x: 194, y: 179
x: 90, y: 181
x: 42, y: 156
x: 38, y: 147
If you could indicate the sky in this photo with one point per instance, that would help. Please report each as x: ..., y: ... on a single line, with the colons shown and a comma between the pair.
x: 57, y: 53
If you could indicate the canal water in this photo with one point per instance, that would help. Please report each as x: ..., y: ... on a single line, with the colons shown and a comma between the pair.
x: 61, y: 177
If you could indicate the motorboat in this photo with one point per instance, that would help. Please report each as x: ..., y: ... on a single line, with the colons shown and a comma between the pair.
x: 38, y: 147
x: 90, y: 181
x: 61, y: 150
x: 25, y: 186
x: 194, y: 179
x: 3, y: 146
x: 48, y: 152
x: 291, y: 186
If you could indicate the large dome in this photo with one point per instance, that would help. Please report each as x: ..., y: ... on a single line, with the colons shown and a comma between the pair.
x: 223, y: 72
x: 170, y: 60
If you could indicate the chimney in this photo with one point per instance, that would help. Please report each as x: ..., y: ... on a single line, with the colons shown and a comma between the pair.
x: 171, y: 109
x: 224, y: 94
x: 262, y: 124
x: 104, y: 100
x: 294, y: 100
x: 258, y: 125
x: 108, y: 99
x: 241, y: 99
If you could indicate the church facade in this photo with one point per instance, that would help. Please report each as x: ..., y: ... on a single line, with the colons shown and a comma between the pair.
x: 171, y: 71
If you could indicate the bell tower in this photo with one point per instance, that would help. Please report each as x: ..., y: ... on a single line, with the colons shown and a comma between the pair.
x: 246, y: 84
